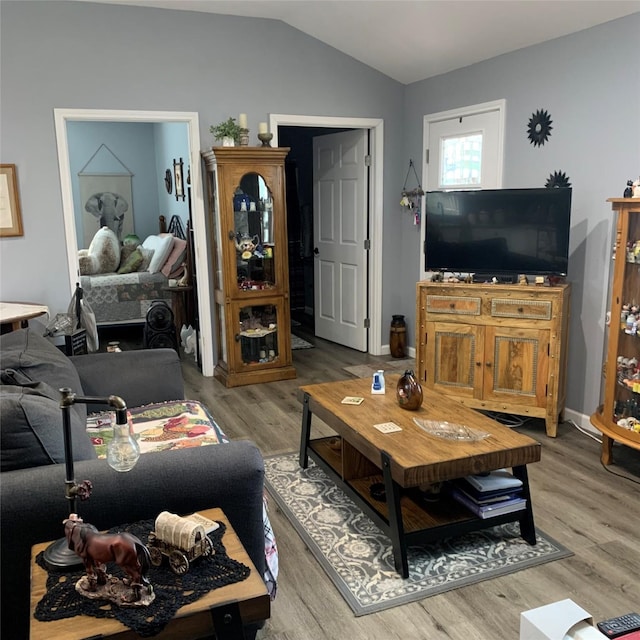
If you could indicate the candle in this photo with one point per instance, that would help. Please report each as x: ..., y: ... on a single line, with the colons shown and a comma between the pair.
x: 242, y: 121
x: 262, y: 127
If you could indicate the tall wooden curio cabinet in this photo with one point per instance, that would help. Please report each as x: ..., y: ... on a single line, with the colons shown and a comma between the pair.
x: 618, y: 417
x: 247, y: 217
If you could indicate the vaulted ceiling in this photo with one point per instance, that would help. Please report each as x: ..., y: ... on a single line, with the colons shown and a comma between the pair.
x: 410, y: 40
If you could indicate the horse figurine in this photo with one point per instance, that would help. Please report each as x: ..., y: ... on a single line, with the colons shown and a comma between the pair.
x: 96, y: 549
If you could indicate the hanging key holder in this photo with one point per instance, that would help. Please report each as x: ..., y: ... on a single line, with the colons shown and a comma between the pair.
x: 412, y: 198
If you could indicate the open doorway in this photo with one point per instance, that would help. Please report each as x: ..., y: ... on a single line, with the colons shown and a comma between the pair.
x: 63, y: 117
x: 298, y: 132
x: 299, y: 195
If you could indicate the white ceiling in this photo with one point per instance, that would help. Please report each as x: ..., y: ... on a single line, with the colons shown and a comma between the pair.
x: 410, y: 40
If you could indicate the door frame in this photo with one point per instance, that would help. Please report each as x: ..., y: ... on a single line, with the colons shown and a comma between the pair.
x: 376, y: 151
x: 62, y: 116
x: 472, y: 110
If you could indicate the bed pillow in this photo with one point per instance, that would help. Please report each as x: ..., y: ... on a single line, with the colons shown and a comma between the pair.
x: 132, y: 263
x: 103, y: 254
x: 161, y: 246
x: 147, y: 255
x: 176, y: 257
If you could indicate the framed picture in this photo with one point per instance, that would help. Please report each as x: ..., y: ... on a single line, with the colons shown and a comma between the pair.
x: 178, y: 179
x: 107, y: 201
x: 10, y: 214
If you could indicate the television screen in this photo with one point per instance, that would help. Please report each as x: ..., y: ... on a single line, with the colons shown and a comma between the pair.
x: 498, y: 232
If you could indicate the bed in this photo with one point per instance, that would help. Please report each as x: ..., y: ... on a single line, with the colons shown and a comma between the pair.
x: 124, y: 298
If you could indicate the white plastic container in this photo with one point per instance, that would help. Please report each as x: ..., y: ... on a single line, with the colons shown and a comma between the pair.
x: 377, y: 384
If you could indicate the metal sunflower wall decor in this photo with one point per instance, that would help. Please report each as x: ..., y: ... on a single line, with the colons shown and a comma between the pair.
x: 558, y: 179
x: 539, y: 130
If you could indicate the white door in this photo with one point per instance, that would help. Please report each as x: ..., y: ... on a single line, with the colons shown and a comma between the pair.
x: 464, y: 150
x: 340, y: 179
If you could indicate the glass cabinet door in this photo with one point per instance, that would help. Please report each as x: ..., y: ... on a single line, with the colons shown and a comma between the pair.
x: 259, y: 338
x: 626, y: 401
x: 254, y: 234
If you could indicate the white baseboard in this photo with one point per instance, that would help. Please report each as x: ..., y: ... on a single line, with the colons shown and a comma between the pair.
x: 581, y: 420
x: 385, y: 350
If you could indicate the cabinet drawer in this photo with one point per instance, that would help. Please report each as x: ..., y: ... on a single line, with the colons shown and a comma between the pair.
x: 530, y: 309
x: 461, y: 305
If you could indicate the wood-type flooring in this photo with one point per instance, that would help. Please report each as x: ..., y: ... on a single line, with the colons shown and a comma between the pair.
x: 593, y: 512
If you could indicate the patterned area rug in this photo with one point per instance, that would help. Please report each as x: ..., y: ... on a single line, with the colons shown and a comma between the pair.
x: 299, y: 343
x: 358, y: 558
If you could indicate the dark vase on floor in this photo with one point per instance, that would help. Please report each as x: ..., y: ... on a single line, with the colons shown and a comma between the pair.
x: 409, y: 391
x: 398, y: 337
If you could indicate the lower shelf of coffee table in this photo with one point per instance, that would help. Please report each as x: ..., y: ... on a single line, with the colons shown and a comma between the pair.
x: 417, y: 514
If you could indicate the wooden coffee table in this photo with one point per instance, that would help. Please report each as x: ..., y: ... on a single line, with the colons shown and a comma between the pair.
x: 407, y: 459
x: 222, y: 611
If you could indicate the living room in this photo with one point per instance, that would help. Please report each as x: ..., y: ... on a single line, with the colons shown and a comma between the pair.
x: 82, y: 55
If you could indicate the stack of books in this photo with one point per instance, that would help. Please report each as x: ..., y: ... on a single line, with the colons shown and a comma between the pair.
x: 490, y: 495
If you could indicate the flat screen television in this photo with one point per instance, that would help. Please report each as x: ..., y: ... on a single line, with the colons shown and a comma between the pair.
x: 498, y: 232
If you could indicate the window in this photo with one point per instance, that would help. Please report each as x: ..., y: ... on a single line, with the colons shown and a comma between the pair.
x: 461, y: 161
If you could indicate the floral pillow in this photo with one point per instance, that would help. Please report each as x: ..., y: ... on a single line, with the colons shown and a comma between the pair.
x: 132, y: 263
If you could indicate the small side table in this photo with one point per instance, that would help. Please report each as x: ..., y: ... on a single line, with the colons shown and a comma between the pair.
x: 181, y: 306
x: 18, y: 313
x: 223, y: 611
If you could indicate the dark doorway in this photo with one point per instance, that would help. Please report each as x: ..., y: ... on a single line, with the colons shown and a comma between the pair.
x: 299, y: 195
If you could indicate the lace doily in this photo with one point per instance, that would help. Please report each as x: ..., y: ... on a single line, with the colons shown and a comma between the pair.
x: 172, y: 592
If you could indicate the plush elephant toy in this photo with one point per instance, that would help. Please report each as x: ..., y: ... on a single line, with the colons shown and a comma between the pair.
x: 109, y: 208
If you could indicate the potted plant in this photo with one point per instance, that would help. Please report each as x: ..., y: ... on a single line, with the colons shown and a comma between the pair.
x: 227, y: 131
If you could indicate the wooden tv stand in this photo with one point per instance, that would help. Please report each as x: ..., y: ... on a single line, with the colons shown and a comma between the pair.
x: 498, y: 347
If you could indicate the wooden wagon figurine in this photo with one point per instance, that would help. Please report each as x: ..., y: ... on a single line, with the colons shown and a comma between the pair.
x: 181, y: 539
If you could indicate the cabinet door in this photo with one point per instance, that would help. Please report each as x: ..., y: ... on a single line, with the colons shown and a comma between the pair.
x: 622, y: 400
x: 261, y: 339
x: 516, y: 366
x: 454, y: 358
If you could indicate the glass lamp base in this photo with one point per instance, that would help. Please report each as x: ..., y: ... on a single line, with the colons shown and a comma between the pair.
x: 58, y: 557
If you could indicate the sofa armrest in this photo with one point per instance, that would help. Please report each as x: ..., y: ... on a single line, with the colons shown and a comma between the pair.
x: 138, y: 377
x: 229, y: 476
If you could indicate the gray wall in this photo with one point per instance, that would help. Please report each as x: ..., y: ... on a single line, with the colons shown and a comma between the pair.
x: 77, y: 55
x: 587, y: 83
x: 94, y: 56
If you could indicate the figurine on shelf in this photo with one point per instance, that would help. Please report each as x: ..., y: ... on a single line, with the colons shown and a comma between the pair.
x: 628, y: 192
x: 246, y: 245
x: 184, y: 280
x: 96, y: 549
x: 636, y: 189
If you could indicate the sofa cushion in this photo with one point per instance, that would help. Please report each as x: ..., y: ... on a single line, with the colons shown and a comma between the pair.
x: 29, y: 357
x: 32, y: 433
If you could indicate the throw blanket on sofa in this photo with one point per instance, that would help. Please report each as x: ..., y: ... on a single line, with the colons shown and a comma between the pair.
x: 176, y: 425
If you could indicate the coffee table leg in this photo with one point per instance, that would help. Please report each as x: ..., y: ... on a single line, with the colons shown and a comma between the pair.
x: 527, y: 526
x: 227, y: 622
x: 305, y: 431
x: 395, y: 518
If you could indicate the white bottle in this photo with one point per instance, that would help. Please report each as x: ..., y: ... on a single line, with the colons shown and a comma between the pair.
x: 377, y: 385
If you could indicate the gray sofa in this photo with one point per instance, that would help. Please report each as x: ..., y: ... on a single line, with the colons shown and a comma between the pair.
x: 33, y: 502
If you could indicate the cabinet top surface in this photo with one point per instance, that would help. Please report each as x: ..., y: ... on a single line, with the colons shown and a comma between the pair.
x: 245, y: 154
x: 499, y: 287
